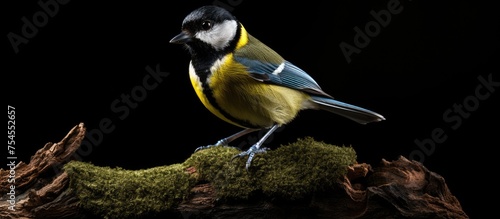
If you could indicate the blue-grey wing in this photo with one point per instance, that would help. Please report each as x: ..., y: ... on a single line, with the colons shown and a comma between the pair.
x: 284, y: 74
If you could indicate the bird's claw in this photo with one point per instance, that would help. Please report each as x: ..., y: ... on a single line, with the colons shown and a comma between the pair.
x: 251, y: 153
x: 222, y: 142
x: 203, y: 148
x: 219, y: 143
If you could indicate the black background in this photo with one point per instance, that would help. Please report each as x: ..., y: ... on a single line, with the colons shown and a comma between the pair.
x: 427, y: 59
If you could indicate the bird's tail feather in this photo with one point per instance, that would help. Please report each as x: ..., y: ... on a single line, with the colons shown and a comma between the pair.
x: 349, y: 111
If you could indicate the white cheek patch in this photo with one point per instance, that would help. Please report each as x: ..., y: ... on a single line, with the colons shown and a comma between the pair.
x: 219, y: 35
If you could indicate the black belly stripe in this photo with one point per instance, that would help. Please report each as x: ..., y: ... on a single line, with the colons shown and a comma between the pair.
x: 209, y: 94
x: 202, y: 70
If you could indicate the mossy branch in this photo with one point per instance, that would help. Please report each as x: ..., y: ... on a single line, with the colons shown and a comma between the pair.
x: 290, y: 172
x: 300, y: 180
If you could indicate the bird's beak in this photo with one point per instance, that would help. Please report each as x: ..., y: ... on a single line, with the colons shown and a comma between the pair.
x: 181, y: 38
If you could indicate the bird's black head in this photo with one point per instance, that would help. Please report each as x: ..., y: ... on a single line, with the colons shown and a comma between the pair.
x: 209, y: 29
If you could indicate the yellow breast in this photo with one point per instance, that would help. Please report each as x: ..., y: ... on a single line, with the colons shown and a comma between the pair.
x: 198, y: 88
x: 244, y: 100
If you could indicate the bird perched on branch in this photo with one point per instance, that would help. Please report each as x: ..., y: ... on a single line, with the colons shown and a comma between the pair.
x: 244, y: 82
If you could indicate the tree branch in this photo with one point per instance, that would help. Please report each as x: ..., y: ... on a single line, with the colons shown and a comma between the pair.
x: 209, y: 185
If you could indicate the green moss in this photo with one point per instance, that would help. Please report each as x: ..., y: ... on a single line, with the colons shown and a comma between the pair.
x: 303, y: 167
x: 289, y: 172
x: 119, y: 193
x: 228, y: 175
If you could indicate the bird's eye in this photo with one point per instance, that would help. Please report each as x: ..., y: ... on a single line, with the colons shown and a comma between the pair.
x: 206, y: 25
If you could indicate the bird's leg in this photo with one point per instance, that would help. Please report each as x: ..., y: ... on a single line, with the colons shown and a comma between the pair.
x: 256, y: 147
x: 227, y: 140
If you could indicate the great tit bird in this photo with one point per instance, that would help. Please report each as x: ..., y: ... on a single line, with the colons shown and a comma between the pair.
x: 244, y: 82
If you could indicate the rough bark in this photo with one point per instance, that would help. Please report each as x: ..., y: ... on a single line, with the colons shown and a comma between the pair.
x: 397, y: 189
x: 41, y: 187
